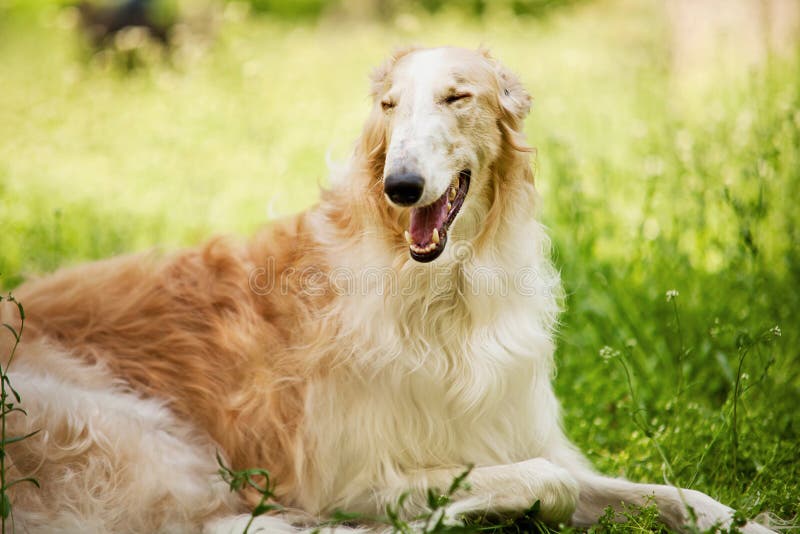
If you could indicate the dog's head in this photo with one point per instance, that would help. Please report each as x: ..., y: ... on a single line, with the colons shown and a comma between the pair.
x: 442, y: 118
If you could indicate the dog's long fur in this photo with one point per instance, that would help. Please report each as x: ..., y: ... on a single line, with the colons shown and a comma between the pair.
x: 320, y: 351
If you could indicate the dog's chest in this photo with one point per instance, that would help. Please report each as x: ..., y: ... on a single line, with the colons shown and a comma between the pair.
x: 432, y: 394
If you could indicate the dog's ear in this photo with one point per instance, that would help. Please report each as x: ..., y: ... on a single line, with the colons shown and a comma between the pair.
x: 378, y: 77
x: 513, y: 97
x: 514, y: 103
x: 381, y: 74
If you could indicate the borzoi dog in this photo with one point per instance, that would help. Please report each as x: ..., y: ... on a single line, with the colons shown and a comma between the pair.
x: 375, y: 345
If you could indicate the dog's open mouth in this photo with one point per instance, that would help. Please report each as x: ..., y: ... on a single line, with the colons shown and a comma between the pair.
x: 427, y: 233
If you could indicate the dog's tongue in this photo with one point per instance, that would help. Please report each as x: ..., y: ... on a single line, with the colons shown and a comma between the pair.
x: 424, y: 220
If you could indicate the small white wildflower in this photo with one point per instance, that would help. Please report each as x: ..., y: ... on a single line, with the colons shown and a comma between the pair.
x: 776, y: 331
x: 672, y: 294
x: 607, y: 353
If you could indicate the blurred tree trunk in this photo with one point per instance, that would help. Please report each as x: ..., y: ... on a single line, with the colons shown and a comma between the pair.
x: 383, y: 10
x: 737, y: 33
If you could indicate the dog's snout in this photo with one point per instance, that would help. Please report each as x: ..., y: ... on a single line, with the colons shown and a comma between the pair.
x: 404, y: 189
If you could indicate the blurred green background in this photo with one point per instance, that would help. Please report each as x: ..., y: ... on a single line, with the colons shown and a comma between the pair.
x: 668, y: 157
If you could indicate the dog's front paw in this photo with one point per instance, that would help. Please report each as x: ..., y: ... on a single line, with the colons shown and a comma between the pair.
x: 539, y: 480
x: 709, y: 513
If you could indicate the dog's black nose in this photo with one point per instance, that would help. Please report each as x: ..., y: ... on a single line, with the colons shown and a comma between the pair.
x: 403, y: 188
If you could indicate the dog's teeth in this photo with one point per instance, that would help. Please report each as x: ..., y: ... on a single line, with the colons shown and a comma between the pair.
x: 452, y: 194
x: 430, y: 247
x: 408, y: 237
x: 435, y: 236
x: 449, y: 206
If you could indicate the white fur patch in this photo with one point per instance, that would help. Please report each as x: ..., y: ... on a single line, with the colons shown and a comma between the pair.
x: 109, y: 461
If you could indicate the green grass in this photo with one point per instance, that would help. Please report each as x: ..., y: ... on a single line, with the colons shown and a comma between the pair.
x: 653, y: 180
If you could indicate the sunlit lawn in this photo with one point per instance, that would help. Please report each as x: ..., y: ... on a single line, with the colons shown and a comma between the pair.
x: 652, y: 181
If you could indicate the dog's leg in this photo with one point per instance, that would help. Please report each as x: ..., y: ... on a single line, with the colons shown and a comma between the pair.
x: 598, y: 492
x: 493, y: 489
x: 108, y: 461
x: 274, y: 524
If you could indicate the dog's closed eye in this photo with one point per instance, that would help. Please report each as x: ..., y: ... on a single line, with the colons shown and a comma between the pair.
x: 388, y: 104
x: 455, y: 97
